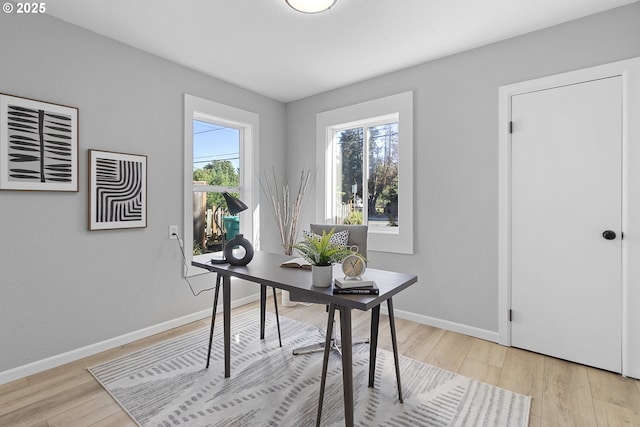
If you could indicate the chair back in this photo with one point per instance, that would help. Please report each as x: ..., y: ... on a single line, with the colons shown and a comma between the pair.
x: 357, y: 234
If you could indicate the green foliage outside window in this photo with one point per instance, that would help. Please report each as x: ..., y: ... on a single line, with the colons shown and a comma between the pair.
x: 382, y: 177
x: 354, y: 218
x: 351, y: 147
x: 220, y: 173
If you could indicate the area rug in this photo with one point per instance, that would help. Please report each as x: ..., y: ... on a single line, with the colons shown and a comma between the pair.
x: 168, y: 385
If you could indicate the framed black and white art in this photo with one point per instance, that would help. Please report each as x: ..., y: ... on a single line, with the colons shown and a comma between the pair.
x: 38, y: 145
x: 117, y: 190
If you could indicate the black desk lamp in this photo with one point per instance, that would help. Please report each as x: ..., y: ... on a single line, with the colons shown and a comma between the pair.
x: 234, y: 206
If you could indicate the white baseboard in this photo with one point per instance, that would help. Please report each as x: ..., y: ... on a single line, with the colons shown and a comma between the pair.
x: 70, y: 356
x: 90, y: 350
x: 444, y: 324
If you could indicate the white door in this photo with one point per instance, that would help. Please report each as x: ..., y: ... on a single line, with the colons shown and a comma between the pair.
x: 566, y: 192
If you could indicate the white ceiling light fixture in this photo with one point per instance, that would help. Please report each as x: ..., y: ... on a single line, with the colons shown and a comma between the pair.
x: 311, y: 6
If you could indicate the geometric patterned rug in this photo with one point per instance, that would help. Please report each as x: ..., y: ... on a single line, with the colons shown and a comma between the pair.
x: 167, y: 384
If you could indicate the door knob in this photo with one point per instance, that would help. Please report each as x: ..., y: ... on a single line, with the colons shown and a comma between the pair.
x: 609, y: 235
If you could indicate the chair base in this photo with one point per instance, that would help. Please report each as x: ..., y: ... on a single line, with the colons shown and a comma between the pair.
x: 333, y: 346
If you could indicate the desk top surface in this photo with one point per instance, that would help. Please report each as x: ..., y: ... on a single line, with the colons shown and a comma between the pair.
x: 265, y: 269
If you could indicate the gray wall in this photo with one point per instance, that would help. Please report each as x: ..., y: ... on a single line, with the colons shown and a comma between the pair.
x: 61, y: 286
x: 456, y: 154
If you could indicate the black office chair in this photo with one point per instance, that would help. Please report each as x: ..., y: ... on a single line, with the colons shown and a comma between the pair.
x: 357, y: 237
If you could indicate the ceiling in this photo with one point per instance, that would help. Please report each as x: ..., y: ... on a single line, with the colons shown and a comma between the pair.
x: 267, y: 47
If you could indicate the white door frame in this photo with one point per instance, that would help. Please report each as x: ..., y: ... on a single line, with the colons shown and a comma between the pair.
x: 630, y: 72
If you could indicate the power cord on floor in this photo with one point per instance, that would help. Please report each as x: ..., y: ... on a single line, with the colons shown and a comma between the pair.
x: 185, y: 268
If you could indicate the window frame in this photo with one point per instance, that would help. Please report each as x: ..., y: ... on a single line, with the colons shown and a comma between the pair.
x: 328, y: 122
x: 247, y: 122
x: 366, y: 126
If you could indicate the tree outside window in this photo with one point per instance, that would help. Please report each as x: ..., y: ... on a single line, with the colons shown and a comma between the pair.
x: 380, y: 195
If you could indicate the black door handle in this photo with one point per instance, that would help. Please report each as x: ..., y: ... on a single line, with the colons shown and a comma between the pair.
x: 609, y: 235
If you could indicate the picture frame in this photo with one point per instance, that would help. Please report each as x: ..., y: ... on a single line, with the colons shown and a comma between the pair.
x: 117, y: 190
x: 38, y: 145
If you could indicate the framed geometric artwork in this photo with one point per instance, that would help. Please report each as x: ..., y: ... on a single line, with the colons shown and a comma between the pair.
x: 38, y: 145
x: 117, y: 190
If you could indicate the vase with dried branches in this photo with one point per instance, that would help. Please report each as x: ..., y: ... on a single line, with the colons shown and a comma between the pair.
x: 287, y: 203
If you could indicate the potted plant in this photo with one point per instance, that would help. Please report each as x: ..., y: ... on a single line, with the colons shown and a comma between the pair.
x: 321, y: 253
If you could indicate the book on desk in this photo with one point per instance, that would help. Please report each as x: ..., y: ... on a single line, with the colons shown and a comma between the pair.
x: 297, y: 263
x: 342, y: 286
x: 357, y: 286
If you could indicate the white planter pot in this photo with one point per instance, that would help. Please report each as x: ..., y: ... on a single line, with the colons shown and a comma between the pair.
x: 286, y: 299
x: 321, y: 276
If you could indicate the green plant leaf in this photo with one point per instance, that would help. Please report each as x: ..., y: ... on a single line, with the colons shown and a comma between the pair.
x: 321, y: 251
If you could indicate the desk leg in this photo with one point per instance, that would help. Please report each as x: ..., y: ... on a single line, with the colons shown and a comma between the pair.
x: 213, y: 317
x: 325, y: 360
x: 263, y: 309
x: 226, y: 304
x: 394, y: 342
x: 373, y: 343
x: 347, y: 364
x: 275, y: 304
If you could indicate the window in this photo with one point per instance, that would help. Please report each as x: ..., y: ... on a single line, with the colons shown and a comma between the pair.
x: 366, y: 168
x: 219, y: 142
x: 216, y: 168
x: 365, y: 175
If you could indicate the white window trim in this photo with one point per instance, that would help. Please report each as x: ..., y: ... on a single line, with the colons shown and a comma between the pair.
x: 327, y: 122
x: 248, y: 123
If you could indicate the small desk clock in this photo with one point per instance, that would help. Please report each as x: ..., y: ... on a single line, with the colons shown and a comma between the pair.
x: 353, y: 266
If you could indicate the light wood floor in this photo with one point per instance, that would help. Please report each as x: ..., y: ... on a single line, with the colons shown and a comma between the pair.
x: 564, y: 394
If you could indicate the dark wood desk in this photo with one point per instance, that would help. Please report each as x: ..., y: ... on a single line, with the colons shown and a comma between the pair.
x: 265, y: 270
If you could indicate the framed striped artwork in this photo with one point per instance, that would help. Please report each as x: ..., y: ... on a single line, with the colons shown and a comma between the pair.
x: 117, y: 190
x: 38, y: 145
